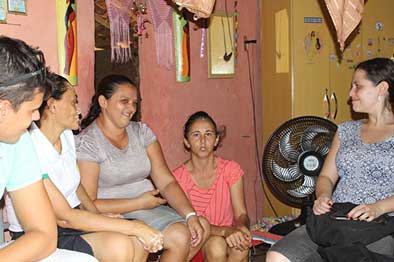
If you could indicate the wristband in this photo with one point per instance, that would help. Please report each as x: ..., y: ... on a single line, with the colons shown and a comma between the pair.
x: 189, y: 215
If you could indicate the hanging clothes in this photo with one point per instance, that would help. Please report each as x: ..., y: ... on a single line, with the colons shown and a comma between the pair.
x: 119, y: 18
x: 200, y: 8
x: 346, y: 15
x: 162, y: 22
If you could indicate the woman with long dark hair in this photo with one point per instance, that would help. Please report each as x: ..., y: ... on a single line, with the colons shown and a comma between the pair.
x: 115, y: 158
x: 359, y: 167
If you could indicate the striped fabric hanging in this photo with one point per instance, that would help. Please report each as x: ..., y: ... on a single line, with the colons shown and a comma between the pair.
x: 346, y: 15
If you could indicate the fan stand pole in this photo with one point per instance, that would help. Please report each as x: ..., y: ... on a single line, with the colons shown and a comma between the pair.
x: 286, y: 227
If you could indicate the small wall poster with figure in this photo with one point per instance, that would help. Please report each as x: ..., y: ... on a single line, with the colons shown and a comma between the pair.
x: 66, y: 22
x: 17, y: 6
x: 221, y: 46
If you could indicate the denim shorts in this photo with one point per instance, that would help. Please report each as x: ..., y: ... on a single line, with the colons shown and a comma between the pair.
x: 297, y: 246
x: 159, y: 217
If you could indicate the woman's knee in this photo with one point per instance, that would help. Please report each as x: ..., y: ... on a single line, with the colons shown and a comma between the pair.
x: 215, y: 248
x: 140, y: 254
x: 177, y: 236
x: 237, y: 255
x: 273, y: 256
x: 111, y: 245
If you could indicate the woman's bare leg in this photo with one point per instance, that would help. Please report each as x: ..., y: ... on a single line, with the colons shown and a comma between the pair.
x: 215, y: 249
x: 110, y: 246
x: 176, y: 243
x: 140, y: 254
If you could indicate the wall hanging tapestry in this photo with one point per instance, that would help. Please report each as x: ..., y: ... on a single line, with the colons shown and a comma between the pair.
x: 119, y: 19
x: 161, y: 18
x: 66, y: 22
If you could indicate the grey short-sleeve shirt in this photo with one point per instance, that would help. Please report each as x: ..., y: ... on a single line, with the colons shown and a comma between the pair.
x: 123, y: 172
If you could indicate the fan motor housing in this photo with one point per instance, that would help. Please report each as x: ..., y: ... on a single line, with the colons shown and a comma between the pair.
x: 310, y: 163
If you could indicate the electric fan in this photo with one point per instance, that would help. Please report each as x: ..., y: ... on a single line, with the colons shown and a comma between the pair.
x: 292, y: 160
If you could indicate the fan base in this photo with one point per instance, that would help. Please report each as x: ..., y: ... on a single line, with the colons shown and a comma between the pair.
x: 286, y: 227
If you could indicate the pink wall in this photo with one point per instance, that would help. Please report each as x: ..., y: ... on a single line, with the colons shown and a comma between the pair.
x: 167, y: 104
x: 38, y: 28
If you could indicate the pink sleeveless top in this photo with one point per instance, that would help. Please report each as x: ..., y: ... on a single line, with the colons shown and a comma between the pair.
x: 213, y: 203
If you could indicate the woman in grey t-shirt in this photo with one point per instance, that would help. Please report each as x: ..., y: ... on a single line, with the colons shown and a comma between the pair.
x: 115, y: 158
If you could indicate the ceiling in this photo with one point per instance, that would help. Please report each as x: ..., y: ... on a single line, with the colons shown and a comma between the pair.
x: 102, y: 32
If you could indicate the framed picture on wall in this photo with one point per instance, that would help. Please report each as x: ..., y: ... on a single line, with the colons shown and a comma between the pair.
x: 17, y: 6
x: 3, y: 11
x: 221, y: 63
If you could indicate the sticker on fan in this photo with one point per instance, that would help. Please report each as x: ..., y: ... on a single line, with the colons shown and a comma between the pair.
x: 311, y: 163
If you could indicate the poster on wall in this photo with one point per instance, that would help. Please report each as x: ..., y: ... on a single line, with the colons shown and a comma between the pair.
x: 3, y: 11
x: 17, y: 6
x: 66, y: 22
x: 221, y: 46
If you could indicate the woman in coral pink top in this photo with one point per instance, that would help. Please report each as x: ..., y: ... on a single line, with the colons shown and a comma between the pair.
x: 215, y: 188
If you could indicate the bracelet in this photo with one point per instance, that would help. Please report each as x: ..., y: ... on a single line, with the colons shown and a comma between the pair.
x: 189, y: 215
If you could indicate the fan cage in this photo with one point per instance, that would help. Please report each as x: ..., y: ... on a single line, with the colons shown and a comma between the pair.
x: 298, y: 127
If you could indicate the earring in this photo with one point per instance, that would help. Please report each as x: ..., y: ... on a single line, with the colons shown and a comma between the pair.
x: 2, y: 110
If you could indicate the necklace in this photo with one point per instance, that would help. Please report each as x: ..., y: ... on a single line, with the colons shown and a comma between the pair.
x: 226, y: 56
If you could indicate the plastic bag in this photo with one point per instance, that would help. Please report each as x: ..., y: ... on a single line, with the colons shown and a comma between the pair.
x: 200, y: 8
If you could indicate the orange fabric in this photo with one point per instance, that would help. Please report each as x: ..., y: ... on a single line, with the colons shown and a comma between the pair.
x: 213, y: 203
x: 346, y: 15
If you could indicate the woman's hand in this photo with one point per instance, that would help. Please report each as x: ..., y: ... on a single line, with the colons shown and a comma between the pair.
x: 151, y: 238
x: 149, y: 200
x: 322, y: 205
x: 365, y: 212
x: 196, y: 230
x: 238, y: 237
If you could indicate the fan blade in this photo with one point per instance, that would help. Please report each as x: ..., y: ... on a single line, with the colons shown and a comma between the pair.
x: 309, y: 134
x: 285, y: 174
x: 307, y: 188
x: 285, y: 148
x: 323, y: 150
